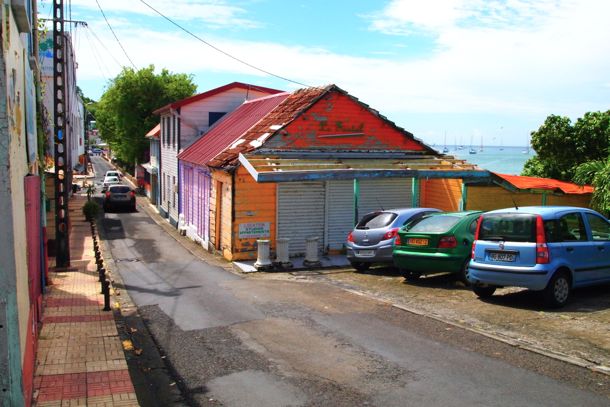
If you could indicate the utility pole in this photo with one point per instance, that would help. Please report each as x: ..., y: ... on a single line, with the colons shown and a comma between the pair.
x: 62, y: 172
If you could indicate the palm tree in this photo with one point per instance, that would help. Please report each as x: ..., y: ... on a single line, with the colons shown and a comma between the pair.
x: 596, y: 173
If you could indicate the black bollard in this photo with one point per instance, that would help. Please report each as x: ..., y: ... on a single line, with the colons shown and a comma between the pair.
x: 102, y: 274
x: 106, y: 292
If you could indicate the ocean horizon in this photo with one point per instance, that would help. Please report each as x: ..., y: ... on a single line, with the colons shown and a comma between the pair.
x: 504, y: 160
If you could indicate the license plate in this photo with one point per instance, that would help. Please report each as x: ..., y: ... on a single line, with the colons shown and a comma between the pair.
x: 417, y: 242
x: 498, y: 256
x: 366, y: 253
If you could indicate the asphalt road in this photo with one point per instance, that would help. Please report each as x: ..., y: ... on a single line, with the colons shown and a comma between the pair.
x: 236, y: 341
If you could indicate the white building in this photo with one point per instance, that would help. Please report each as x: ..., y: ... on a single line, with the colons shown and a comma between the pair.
x: 182, y: 122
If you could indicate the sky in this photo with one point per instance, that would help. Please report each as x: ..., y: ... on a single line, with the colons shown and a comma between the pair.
x: 465, y: 71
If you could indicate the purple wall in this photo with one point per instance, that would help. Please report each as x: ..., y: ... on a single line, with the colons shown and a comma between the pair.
x: 195, y: 198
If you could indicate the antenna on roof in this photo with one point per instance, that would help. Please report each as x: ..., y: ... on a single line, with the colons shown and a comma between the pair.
x: 514, y: 203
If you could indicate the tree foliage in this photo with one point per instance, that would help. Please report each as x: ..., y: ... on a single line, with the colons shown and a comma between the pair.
x: 596, y: 173
x: 562, y: 146
x: 124, y: 113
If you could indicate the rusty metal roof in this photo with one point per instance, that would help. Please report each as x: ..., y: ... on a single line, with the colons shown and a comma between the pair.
x: 215, y: 91
x: 549, y: 184
x: 290, y: 109
x: 276, y: 168
x: 229, y: 129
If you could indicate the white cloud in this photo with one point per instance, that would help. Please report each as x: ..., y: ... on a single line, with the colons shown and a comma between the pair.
x: 516, y: 57
x: 214, y: 13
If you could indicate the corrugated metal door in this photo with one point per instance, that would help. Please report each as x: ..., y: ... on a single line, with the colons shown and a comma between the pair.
x: 301, y: 213
x: 387, y: 193
x: 339, y: 212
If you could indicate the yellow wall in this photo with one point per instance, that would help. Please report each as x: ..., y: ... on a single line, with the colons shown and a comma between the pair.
x: 444, y: 194
x: 487, y: 198
x: 583, y: 200
x: 254, y: 203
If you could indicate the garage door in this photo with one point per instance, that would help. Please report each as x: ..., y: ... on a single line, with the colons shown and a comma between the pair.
x: 340, y: 212
x: 388, y: 193
x: 301, y: 213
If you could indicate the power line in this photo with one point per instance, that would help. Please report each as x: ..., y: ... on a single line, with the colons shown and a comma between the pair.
x: 115, y: 36
x: 241, y: 61
x: 95, y: 57
x: 104, y: 45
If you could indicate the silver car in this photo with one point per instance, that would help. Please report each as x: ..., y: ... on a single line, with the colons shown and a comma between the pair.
x: 372, y: 239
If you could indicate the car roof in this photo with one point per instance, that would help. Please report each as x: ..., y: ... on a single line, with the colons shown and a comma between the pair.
x: 458, y: 213
x: 109, y: 177
x: 544, y: 211
x: 118, y: 186
x: 402, y: 211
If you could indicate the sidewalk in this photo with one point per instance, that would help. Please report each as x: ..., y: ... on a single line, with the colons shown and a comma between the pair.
x: 80, y: 359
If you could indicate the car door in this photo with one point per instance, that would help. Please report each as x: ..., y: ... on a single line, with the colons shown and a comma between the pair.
x: 600, y: 239
x: 578, y: 249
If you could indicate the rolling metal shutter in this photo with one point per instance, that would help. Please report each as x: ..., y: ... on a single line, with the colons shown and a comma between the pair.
x: 339, y: 212
x: 301, y: 213
x: 387, y: 193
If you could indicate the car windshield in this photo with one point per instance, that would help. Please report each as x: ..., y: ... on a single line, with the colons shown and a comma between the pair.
x: 111, y: 179
x: 435, y: 224
x: 376, y: 220
x: 120, y: 190
x: 512, y: 227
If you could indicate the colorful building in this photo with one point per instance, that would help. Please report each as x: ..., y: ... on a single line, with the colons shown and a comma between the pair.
x: 184, y: 121
x: 308, y: 168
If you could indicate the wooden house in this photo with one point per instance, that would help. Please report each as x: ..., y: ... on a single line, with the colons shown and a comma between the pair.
x: 311, y: 166
x: 184, y: 121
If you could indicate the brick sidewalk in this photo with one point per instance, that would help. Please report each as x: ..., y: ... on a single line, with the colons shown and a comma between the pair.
x: 80, y: 359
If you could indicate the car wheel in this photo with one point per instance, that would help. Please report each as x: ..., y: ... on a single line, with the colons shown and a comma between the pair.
x: 464, y: 271
x: 557, y: 292
x: 360, y: 266
x: 484, y: 291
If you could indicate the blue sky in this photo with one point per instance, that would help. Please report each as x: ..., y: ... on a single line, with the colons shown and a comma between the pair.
x: 471, y: 69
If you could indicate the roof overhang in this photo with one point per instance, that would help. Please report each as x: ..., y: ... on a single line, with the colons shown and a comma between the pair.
x: 279, y: 168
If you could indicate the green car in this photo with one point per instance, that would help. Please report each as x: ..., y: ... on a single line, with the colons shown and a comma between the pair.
x: 438, y: 243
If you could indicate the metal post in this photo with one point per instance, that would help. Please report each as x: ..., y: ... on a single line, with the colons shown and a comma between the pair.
x: 62, y: 170
x: 106, y: 292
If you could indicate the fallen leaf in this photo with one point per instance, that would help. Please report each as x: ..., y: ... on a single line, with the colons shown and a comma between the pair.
x: 138, y: 352
x: 133, y: 330
x: 127, y: 344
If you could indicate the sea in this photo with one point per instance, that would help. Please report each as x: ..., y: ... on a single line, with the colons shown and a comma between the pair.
x: 504, y: 160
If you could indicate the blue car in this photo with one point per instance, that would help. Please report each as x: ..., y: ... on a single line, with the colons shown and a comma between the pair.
x: 551, y: 249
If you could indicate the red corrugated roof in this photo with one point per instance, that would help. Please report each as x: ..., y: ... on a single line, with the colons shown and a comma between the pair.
x: 296, y: 103
x: 229, y: 129
x: 290, y: 109
x: 216, y: 91
x: 155, y: 132
x: 523, y: 182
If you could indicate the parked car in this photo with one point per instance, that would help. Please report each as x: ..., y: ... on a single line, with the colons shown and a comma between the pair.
x: 96, y: 151
x: 119, y: 196
x: 112, y: 180
x: 438, y: 243
x: 114, y: 173
x: 551, y: 249
x: 372, y: 239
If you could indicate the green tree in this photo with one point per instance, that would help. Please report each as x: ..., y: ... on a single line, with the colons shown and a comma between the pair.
x: 124, y: 113
x: 561, y: 147
x: 596, y: 173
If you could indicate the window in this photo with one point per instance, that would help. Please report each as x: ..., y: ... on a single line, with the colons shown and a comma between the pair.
x: 376, y: 220
x: 512, y: 227
x: 572, y: 228
x: 435, y: 224
x: 600, y: 228
x: 173, y: 191
x: 213, y: 117
x: 173, y: 131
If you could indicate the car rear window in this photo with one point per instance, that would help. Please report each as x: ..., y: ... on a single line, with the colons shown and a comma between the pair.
x: 376, y: 220
x: 512, y: 227
x: 435, y: 224
x: 120, y: 189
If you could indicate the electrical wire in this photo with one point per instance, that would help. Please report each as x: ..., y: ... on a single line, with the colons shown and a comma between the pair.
x: 104, y: 45
x: 98, y: 62
x: 241, y: 61
x: 115, y: 36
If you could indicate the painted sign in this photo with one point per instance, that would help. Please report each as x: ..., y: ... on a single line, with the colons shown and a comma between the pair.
x: 254, y: 230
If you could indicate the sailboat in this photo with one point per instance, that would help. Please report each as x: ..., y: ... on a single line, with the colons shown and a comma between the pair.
x: 445, y: 150
x: 481, y: 149
x: 526, y: 150
x: 472, y: 150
